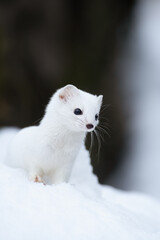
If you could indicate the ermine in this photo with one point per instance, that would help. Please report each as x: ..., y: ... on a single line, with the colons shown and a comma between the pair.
x: 48, y: 151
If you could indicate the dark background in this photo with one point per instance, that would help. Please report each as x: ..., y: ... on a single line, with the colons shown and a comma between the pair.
x: 45, y: 45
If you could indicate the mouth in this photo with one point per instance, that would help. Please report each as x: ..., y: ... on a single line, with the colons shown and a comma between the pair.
x: 90, y: 127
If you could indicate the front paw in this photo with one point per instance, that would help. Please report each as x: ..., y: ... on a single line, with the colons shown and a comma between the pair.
x: 36, y: 179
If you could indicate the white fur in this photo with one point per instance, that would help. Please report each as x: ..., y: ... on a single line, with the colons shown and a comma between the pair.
x: 47, y: 152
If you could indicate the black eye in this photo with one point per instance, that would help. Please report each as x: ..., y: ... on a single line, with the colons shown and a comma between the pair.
x: 96, y: 117
x: 78, y: 111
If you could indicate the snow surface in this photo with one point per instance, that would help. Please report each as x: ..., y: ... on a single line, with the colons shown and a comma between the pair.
x: 79, y: 210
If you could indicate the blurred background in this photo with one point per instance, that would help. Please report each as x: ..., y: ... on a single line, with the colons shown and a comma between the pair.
x: 103, y: 47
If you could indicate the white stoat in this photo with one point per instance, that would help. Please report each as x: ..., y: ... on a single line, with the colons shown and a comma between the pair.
x: 47, y: 152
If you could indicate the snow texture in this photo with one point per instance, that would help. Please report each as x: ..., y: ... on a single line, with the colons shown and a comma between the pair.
x: 81, y: 209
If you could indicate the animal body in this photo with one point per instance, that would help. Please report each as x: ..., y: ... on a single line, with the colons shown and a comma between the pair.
x: 47, y: 151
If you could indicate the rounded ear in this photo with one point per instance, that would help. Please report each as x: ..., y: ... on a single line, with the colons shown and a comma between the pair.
x: 67, y: 92
x: 100, y: 99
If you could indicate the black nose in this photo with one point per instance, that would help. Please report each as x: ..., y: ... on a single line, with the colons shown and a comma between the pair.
x: 89, y: 126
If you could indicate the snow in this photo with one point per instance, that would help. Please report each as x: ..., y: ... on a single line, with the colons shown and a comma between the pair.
x: 81, y: 209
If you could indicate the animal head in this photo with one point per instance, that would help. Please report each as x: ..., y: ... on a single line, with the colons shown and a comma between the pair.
x: 78, y: 110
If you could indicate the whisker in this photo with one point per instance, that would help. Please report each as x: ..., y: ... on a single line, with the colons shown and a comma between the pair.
x: 103, y: 117
x: 99, y: 143
x: 37, y: 121
x: 92, y: 142
x: 105, y: 124
x: 103, y: 130
x: 106, y: 128
x: 81, y: 123
x: 100, y: 134
x: 105, y: 107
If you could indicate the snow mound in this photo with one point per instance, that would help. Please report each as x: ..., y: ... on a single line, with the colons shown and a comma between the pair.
x: 81, y: 209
